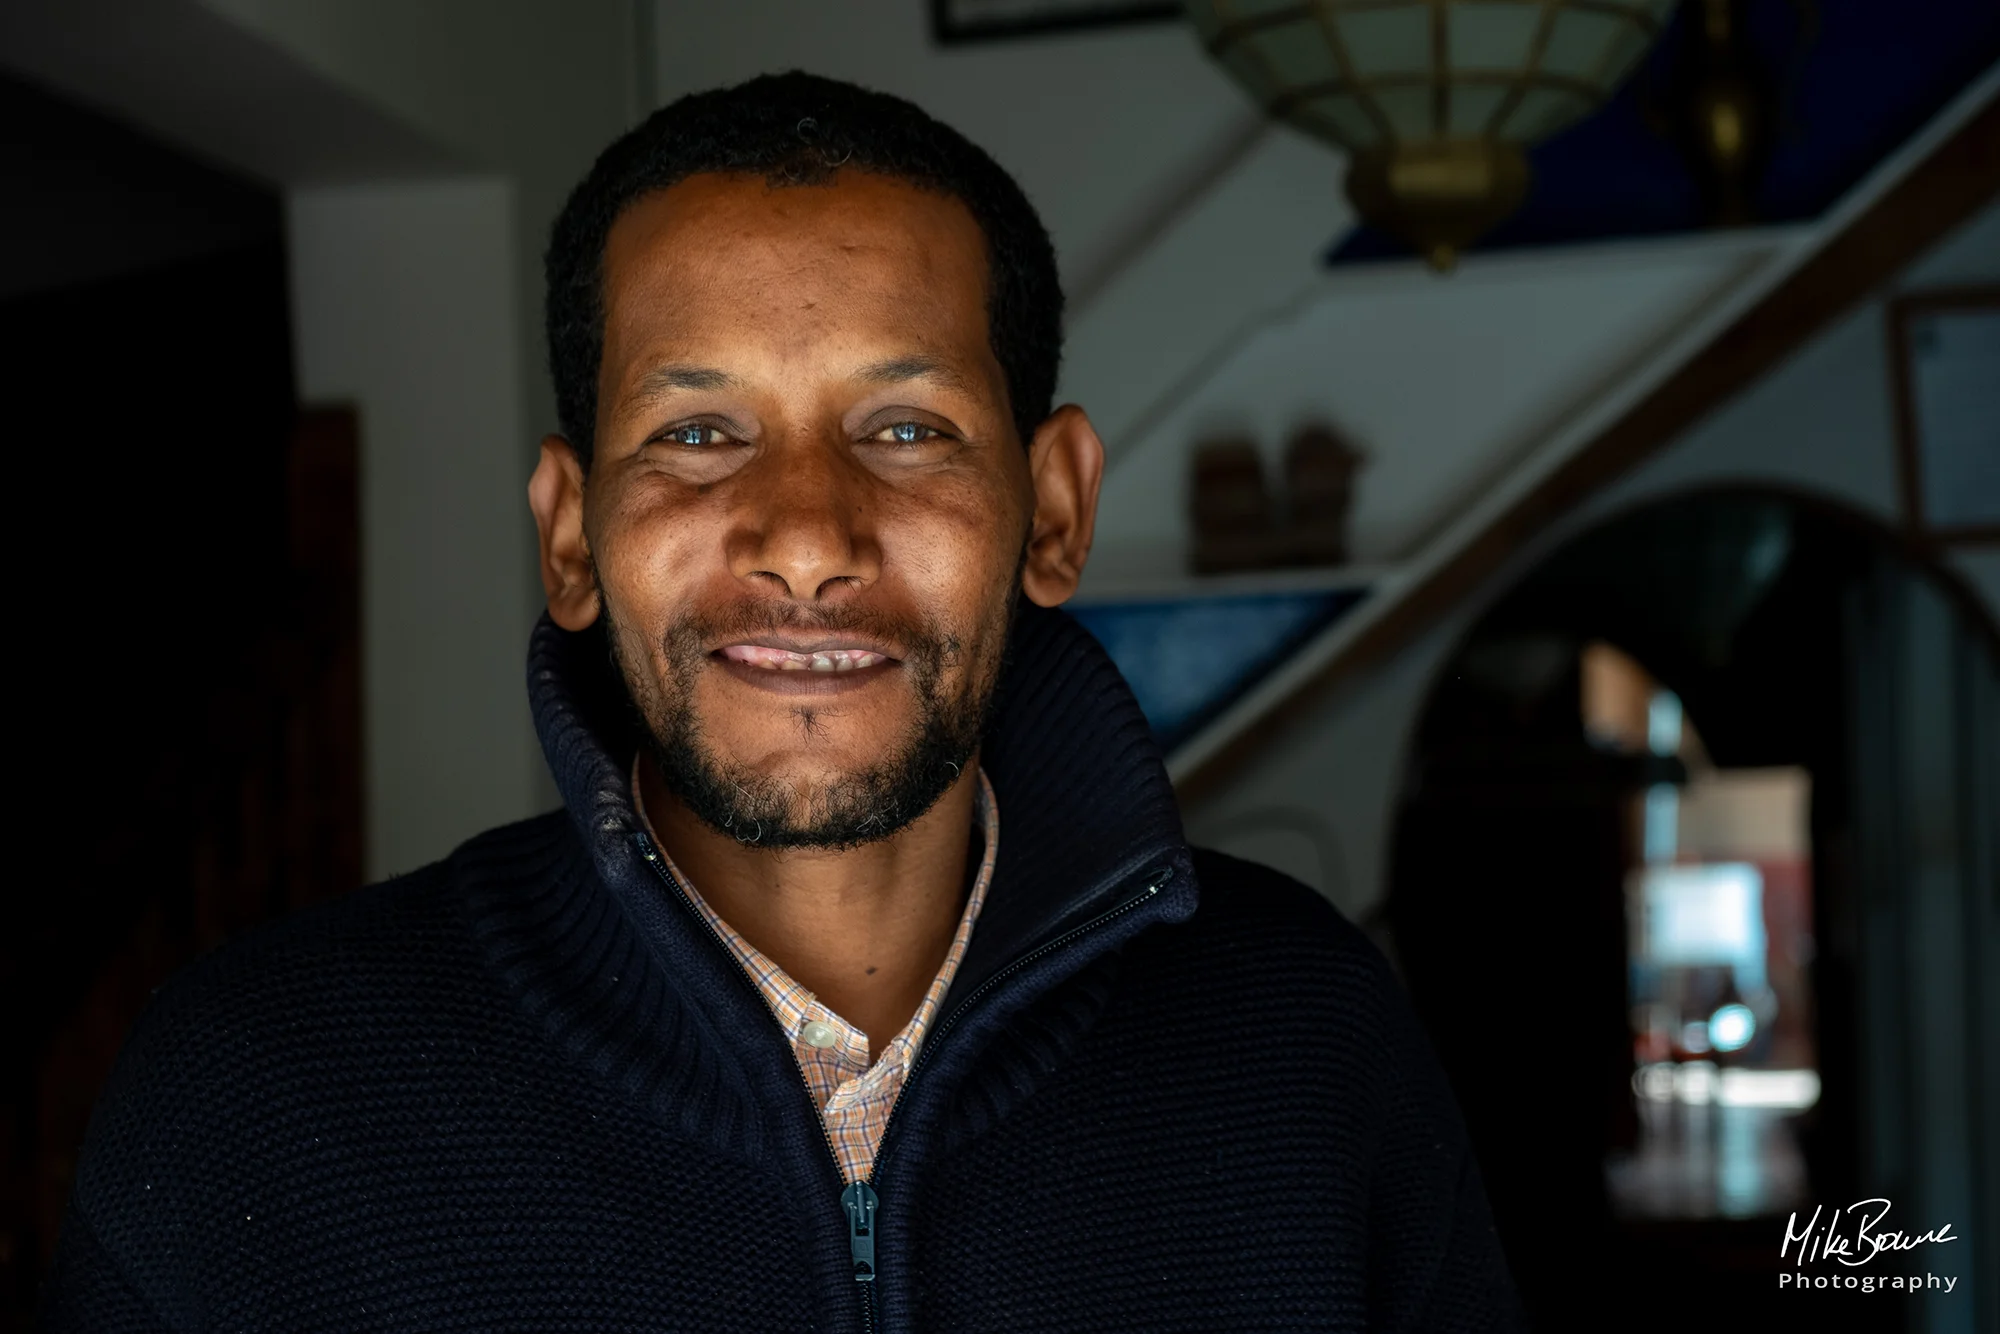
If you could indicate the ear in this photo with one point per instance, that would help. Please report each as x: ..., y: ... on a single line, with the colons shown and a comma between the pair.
x: 555, y: 494
x: 1066, y: 462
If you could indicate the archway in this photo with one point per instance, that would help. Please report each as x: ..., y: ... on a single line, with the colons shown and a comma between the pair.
x: 1693, y: 886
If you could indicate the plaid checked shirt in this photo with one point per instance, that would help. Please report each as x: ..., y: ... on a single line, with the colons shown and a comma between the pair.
x: 854, y: 1097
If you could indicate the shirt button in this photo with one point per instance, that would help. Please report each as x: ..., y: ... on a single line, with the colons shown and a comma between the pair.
x: 816, y: 1034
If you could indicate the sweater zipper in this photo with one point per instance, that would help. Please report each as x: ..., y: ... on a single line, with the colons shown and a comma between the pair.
x: 859, y: 1201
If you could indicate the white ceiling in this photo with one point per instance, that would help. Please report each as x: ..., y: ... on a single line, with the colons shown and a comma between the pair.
x: 184, y: 74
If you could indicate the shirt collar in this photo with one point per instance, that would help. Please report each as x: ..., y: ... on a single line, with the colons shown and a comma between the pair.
x: 792, y: 1005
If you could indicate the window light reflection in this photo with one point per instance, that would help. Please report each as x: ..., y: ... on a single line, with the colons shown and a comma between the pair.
x: 1700, y: 1083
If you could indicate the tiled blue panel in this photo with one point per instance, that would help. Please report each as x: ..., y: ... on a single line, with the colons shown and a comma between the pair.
x: 1187, y: 659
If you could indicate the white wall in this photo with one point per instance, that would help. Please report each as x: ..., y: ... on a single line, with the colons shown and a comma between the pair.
x: 530, y: 91
x: 403, y: 302
x: 1342, y: 766
x: 1820, y: 422
x: 527, y: 89
x: 1442, y: 381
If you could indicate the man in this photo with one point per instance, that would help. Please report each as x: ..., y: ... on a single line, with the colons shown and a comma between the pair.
x: 866, y: 982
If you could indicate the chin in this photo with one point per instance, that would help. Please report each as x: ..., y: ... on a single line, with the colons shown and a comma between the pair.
x: 814, y: 780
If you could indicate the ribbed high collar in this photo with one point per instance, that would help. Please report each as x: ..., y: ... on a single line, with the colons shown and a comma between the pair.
x: 1089, y: 806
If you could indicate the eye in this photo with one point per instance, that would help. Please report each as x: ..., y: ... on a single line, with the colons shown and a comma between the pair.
x: 907, y: 433
x: 693, y: 436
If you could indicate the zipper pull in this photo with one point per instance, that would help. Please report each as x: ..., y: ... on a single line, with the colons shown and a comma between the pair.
x: 860, y: 1202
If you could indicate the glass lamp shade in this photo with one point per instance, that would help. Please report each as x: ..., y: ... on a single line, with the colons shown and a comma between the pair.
x: 1433, y: 100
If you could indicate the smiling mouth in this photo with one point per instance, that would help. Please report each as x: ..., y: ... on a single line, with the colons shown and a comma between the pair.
x: 767, y: 658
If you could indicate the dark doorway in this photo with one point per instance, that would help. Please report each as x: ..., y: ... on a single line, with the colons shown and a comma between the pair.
x: 186, y: 570
x: 1665, y: 1048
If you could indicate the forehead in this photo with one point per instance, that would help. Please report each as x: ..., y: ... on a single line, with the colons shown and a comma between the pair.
x: 731, y: 255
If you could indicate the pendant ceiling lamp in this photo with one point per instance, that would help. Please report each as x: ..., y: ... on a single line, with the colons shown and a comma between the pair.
x: 1433, y: 100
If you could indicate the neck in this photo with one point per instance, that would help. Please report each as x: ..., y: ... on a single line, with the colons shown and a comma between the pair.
x: 864, y: 929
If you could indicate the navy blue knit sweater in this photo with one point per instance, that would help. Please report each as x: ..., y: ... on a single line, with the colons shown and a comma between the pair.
x: 525, y: 1089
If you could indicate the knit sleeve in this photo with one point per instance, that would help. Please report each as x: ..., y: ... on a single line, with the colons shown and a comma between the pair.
x: 89, y: 1292
x: 123, y: 1257
x: 1470, y: 1288
x: 1437, y: 1266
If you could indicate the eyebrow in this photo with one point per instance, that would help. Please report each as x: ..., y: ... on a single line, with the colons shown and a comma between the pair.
x: 896, y: 370
x: 665, y: 379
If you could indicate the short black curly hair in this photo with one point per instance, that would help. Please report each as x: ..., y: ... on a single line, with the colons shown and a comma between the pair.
x: 800, y: 129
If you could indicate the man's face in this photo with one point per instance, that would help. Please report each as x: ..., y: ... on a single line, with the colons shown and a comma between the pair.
x: 808, y: 510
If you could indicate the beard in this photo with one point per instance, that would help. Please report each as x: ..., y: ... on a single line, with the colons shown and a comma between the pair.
x: 849, y: 809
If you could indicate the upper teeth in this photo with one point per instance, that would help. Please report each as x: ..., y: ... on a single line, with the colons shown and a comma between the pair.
x: 784, y: 660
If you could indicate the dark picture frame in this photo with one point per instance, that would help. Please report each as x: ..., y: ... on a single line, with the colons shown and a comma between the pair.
x: 1948, y: 471
x: 961, y: 22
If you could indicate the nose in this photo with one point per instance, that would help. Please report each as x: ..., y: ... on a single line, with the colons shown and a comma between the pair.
x: 805, y: 522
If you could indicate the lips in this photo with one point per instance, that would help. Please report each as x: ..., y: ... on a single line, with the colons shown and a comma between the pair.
x: 773, y: 659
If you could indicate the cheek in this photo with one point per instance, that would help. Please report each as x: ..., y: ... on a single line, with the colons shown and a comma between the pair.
x: 643, y: 552
x: 641, y: 535
x: 961, y: 565
x: 956, y: 544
